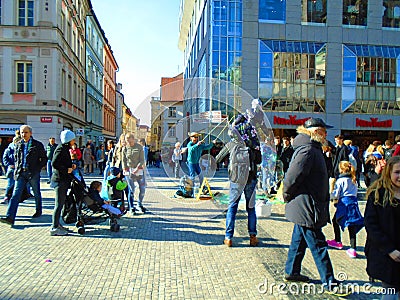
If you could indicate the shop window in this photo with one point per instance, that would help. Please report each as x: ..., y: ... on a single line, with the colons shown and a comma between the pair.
x: 292, y: 76
x: 313, y: 11
x: 355, y: 12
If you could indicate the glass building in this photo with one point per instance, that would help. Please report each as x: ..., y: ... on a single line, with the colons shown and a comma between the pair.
x: 337, y: 60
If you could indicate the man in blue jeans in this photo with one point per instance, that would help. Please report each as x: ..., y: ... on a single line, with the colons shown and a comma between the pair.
x: 30, y: 158
x: 241, y: 179
x: 306, y: 193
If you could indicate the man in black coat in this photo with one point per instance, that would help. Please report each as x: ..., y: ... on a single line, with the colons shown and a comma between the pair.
x: 306, y: 192
x: 286, y: 153
x: 341, y: 154
x: 30, y: 158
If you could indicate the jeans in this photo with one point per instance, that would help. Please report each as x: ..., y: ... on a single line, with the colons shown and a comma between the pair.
x: 49, y: 169
x: 176, y: 169
x: 20, y: 184
x: 194, y: 169
x: 303, y: 237
x: 61, y: 195
x: 235, y: 191
x: 10, y: 182
x: 141, y: 181
x: 106, y: 170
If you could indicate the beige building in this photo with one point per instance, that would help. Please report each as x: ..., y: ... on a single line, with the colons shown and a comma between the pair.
x: 156, y: 116
x: 42, y: 58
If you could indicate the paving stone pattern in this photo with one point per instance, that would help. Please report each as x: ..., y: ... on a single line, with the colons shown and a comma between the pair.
x: 173, y: 252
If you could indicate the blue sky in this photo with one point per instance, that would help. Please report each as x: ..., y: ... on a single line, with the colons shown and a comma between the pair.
x: 144, y: 38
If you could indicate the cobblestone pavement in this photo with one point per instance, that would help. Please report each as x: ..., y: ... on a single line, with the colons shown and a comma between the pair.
x: 173, y: 252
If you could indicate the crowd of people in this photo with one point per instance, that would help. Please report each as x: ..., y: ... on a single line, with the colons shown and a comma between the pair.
x: 311, y: 171
x: 25, y: 157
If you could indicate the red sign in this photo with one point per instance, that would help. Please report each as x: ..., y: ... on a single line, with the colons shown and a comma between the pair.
x: 373, y: 123
x: 291, y: 121
x: 46, y: 119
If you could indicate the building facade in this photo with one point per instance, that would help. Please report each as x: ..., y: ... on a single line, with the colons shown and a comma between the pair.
x: 337, y: 60
x: 171, y: 100
x: 156, y: 124
x: 109, y: 99
x: 95, y: 43
x: 42, y: 74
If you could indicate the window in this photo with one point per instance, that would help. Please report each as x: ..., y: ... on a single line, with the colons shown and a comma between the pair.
x: 25, y: 13
x: 272, y: 10
x: 172, y: 112
x: 355, y: 12
x: 391, y: 13
x: 63, y: 23
x: 171, y: 130
x: 313, y: 11
x: 24, y: 77
x: 292, y: 76
x: 372, y: 74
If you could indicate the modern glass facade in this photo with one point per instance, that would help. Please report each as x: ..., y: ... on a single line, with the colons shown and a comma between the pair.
x: 292, y: 76
x: 226, y: 54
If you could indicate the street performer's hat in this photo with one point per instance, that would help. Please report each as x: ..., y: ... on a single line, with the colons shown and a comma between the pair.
x: 316, y: 122
x: 193, y: 134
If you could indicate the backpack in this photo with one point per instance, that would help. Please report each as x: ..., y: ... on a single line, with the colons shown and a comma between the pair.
x: 353, y: 160
x: 185, y: 187
x: 239, y: 166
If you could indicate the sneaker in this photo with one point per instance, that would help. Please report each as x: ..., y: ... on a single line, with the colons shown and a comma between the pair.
x: 64, y: 228
x: 58, y: 232
x: 142, y: 208
x: 297, y: 278
x: 133, y: 211
x: 351, y: 253
x: 4, y: 201
x: 334, y: 244
x: 228, y: 242
x: 253, y: 240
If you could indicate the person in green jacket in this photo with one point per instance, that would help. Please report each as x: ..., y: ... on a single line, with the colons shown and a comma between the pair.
x: 194, y: 150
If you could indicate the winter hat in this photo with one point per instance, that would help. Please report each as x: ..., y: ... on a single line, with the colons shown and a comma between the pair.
x: 114, y: 171
x: 66, y: 136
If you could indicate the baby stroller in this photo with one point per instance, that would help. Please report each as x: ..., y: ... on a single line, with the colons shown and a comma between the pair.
x: 88, y: 211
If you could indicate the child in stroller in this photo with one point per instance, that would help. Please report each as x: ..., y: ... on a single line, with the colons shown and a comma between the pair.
x: 91, y: 208
x: 94, y: 193
x: 116, y: 187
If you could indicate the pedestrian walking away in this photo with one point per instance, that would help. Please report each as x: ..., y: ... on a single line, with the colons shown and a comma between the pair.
x: 306, y: 193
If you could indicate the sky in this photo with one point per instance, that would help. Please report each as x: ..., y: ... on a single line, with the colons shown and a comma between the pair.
x: 144, y: 39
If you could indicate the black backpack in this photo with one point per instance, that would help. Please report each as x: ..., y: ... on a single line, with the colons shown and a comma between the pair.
x: 239, y: 165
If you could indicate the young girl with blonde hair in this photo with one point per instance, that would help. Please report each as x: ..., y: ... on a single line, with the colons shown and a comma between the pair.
x: 382, y: 215
x: 347, y: 211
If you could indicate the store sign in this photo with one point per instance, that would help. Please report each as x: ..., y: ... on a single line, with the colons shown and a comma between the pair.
x: 373, y: 122
x: 80, y: 132
x: 9, y: 129
x: 291, y: 121
x: 46, y: 119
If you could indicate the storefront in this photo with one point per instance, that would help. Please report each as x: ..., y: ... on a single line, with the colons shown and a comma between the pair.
x: 7, y: 132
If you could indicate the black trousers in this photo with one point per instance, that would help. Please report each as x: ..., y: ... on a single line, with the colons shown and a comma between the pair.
x: 338, y: 237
